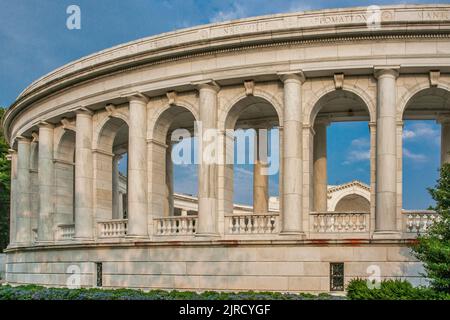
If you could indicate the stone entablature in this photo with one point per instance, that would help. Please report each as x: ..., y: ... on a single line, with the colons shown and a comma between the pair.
x: 297, y: 72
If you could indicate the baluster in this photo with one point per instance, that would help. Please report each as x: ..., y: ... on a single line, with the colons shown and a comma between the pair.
x: 418, y: 222
x: 322, y: 223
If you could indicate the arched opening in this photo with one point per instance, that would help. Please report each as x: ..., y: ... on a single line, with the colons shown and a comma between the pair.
x: 65, y: 178
x: 34, y: 187
x: 341, y: 144
x: 353, y: 203
x: 253, y: 176
x: 112, y: 170
x: 425, y: 145
x: 174, y: 166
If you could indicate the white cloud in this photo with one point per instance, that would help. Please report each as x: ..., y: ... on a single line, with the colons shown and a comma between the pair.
x: 357, y: 156
x: 418, y: 157
x: 360, y: 143
x: 359, y: 151
x: 420, y: 130
x: 237, y: 11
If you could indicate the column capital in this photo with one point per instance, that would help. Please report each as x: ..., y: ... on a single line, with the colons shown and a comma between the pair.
x: 23, y: 139
x: 295, y: 75
x: 45, y: 125
x: 34, y: 137
x: 208, y: 84
x: 382, y: 71
x: 11, y: 154
x: 84, y: 112
x: 67, y: 125
x: 137, y: 97
x: 322, y: 122
x: 443, y: 119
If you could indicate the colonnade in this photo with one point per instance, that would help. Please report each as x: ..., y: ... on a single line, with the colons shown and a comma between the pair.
x: 292, y: 157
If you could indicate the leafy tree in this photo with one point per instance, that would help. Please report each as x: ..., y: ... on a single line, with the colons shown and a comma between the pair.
x: 433, y: 248
x: 5, y: 178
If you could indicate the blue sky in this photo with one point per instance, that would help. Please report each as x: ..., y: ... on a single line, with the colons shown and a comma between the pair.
x: 35, y: 41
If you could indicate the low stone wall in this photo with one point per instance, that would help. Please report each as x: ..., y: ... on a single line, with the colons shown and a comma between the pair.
x: 281, y: 267
x: 2, y: 266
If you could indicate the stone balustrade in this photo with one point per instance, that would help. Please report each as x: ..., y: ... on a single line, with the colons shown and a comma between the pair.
x: 336, y: 222
x: 112, y: 228
x: 252, y: 223
x: 173, y: 226
x: 418, y: 221
x: 65, y: 232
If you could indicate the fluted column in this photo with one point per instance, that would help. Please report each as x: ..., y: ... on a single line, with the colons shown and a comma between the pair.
x: 260, y: 177
x: 386, y: 158
x: 116, y: 208
x: 84, y: 211
x: 320, y: 166
x: 292, y: 155
x: 23, y: 216
x: 137, y: 168
x: 207, y: 170
x: 46, y: 183
x: 445, y: 140
x: 13, y: 197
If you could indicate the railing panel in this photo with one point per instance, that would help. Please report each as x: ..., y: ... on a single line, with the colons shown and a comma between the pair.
x: 340, y: 222
x: 112, y: 228
x: 65, y: 232
x: 416, y: 221
x: 251, y: 223
x: 173, y: 226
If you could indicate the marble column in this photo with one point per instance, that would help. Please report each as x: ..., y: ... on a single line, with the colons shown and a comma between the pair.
x: 291, y: 217
x: 116, y: 212
x: 260, y: 178
x: 13, y: 197
x: 445, y: 140
x: 169, y: 177
x: 207, y: 169
x: 84, y: 209
x: 23, y: 216
x: 320, y: 166
x: 386, y: 157
x: 120, y: 205
x: 137, y: 168
x: 46, y: 183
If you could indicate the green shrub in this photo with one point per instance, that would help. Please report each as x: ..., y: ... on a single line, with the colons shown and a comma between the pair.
x: 32, y: 292
x: 358, y: 289
x: 433, y: 247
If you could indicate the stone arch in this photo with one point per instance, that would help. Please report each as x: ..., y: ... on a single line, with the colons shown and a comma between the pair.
x: 313, y: 106
x: 111, y: 142
x: 65, y: 146
x: 181, y: 115
x: 258, y: 93
x: 159, y: 125
x: 64, y: 154
x: 334, y: 201
x: 422, y: 102
x: 107, y: 131
x: 410, y: 95
x: 353, y: 203
x: 244, y: 108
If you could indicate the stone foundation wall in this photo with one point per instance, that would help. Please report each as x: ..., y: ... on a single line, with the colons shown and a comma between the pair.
x: 280, y: 267
x: 2, y: 266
